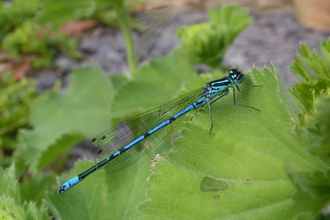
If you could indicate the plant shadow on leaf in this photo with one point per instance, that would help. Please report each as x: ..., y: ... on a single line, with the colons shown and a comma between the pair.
x: 208, y: 184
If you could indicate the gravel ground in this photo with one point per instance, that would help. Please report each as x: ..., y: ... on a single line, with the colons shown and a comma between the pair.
x: 274, y: 37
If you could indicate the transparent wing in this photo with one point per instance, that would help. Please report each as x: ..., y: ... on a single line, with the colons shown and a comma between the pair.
x: 117, y: 137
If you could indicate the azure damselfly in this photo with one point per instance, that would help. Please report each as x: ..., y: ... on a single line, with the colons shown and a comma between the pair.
x: 125, y: 143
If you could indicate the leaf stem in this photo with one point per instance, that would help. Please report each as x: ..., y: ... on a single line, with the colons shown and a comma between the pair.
x: 126, y: 28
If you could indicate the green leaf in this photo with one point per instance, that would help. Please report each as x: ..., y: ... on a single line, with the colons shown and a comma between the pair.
x: 59, y: 12
x: 314, y: 63
x: 8, y: 185
x: 306, y: 94
x: 33, y: 188
x: 313, y: 95
x: 314, y: 72
x: 153, y: 85
x: 14, y: 14
x: 176, y: 195
x: 325, y: 48
x: 313, y: 191
x: 102, y: 195
x: 207, y: 43
x: 65, y: 142
x: 84, y: 110
x: 15, y: 101
x: 298, y: 68
x: 11, y: 206
x: 319, y: 139
x: 310, y: 66
x: 231, y: 18
x: 247, y: 150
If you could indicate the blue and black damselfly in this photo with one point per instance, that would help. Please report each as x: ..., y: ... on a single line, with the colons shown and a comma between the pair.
x: 125, y: 143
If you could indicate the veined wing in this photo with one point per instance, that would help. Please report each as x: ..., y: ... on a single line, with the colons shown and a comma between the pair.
x: 117, y: 137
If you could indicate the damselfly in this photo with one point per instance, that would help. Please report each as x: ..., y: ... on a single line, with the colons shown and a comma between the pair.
x: 123, y: 144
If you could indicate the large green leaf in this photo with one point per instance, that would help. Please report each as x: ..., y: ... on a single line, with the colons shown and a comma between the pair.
x: 83, y: 110
x: 153, y: 85
x: 247, y: 150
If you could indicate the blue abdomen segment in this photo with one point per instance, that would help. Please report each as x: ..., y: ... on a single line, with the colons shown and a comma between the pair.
x: 68, y: 184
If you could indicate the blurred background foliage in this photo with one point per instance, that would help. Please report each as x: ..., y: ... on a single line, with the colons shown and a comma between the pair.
x: 38, y: 129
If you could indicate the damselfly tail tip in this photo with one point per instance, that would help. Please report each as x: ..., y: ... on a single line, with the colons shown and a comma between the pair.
x: 61, y: 189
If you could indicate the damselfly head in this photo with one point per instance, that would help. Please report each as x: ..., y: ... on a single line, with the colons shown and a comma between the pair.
x: 236, y: 75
